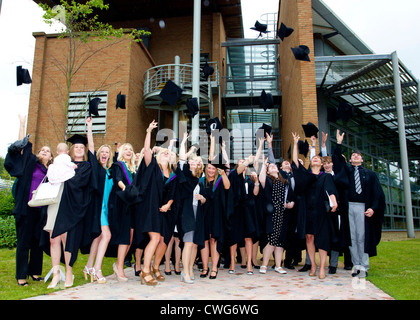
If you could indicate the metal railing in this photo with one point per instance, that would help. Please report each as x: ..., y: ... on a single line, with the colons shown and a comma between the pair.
x: 155, y: 79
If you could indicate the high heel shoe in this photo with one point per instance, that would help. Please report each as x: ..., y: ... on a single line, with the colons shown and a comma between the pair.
x: 159, y: 277
x: 57, y: 277
x: 215, y: 276
x: 204, y: 274
x: 190, y: 281
x: 88, y: 272
x: 151, y: 282
x: 119, y: 278
x: 100, y: 280
x: 136, y: 272
x: 37, y: 278
x: 68, y: 285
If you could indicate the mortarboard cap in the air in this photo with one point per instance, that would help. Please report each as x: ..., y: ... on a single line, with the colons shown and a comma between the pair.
x: 192, y: 105
x: 260, y: 27
x: 266, y: 100
x: 93, y: 106
x: 284, y: 31
x: 303, y: 147
x: 171, y: 92
x: 120, y: 101
x: 22, y: 76
x: 213, y: 124
x: 310, y: 130
x: 207, y: 70
x: 301, y: 53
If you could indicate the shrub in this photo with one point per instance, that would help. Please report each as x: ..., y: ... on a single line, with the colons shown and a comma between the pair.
x: 7, y: 202
x: 7, y: 232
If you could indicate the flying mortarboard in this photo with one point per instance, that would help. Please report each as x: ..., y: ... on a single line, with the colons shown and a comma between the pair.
x: 207, y: 70
x: 267, y: 129
x: 192, y: 105
x: 93, y: 106
x: 77, y: 138
x: 301, y: 53
x: 284, y: 31
x: 303, y: 147
x: 310, y: 130
x: 171, y: 92
x: 266, y: 100
x: 120, y: 101
x: 213, y: 124
x: 22, y: 76
x: 260, y: 27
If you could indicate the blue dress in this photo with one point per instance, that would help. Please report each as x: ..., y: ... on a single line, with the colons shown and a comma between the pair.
x: 107, y: 190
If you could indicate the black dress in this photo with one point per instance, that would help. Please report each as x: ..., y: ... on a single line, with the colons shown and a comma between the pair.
x: 215, y: 211
x: 168, y: 218
x: 187, y: 221
x: 73, y: 208
x: 242, y: 221
x: 315, y: 190
x: 120, y: 214
x: 276, y: 221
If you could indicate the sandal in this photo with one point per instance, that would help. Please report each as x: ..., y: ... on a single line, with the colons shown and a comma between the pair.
x: 204, y: 274
x: 151, y: 282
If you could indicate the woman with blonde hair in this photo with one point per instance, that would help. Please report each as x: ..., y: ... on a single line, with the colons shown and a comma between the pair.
x: 191, y: 216
x: 120, y: 206
x: 97, y: 232
x: 215, y: 183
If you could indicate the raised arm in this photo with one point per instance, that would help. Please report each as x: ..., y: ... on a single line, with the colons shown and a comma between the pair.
x: 22, y: 127
x: 296, y: 138
x: 147, y: 150
x: 242, y: 167
x: 258, y: 155
x: 211, y: 152
x: 263, y: 173
x: 91, y: 145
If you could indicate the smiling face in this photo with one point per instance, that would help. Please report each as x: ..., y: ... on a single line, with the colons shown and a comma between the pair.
x: 45, y: 154
x: 316, y: 161
x: 211, y: 170
x: 356, y: 159
x: 127, y: 152
x: 78, y: 151
x: 103, y: 155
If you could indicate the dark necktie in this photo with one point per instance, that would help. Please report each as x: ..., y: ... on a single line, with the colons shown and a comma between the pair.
x: 357, y: 184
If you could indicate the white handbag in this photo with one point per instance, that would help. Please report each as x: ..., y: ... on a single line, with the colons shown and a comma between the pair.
x: 47, y: 193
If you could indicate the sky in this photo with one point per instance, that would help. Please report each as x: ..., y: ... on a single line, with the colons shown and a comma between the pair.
x: 383, y: 25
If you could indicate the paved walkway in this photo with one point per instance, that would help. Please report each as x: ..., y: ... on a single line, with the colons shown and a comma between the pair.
x: 239, y: 286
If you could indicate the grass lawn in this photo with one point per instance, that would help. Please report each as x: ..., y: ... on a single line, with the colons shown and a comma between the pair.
x: 9, y: 290
x: 396, y: 270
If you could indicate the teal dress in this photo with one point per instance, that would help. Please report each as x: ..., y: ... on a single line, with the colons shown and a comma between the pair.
x: 107, y: 190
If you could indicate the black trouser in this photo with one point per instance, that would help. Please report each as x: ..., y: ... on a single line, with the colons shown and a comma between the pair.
x: 29, y: 254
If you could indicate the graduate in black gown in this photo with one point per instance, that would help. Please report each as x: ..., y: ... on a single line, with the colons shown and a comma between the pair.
x: 69, y: 224
x: 190, y: 211
x: 242, y: 223
x: 29, y: 169
x: 215, y: 183
x: 317, y: 190
x: 97, y: 233
x: 120, y: 207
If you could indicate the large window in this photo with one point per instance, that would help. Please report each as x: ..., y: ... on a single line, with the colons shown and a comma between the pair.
x: 79, y: 111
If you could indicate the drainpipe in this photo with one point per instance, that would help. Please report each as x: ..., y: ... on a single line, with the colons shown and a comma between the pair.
x: 196, y: 68
x: 176, y: 110
x: 403, y: 146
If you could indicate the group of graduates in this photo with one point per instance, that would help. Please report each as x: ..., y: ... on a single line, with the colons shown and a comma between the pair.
x: 146, y: 202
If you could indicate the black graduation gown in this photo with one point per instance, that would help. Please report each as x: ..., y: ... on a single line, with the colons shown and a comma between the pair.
x: 242, y: 219
x: 375, y: 199
x: 186, y: 221
x: 73, y: 208
x: 92, y: 224
x: 215, y: 211
x: 120, y: 215
x: 314, y: 190
x: 147, y: 216
x: 168, y: 218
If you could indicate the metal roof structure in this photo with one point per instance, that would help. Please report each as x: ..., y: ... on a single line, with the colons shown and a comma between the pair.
x: 366, y: 80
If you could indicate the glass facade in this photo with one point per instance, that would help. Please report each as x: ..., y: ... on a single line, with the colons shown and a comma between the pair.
x: 386, y: 165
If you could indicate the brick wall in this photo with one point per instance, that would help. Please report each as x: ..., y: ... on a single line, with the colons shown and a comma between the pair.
x: 299, y: 102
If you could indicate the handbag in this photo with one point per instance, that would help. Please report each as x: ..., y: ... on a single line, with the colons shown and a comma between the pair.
x: 46, y: 194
